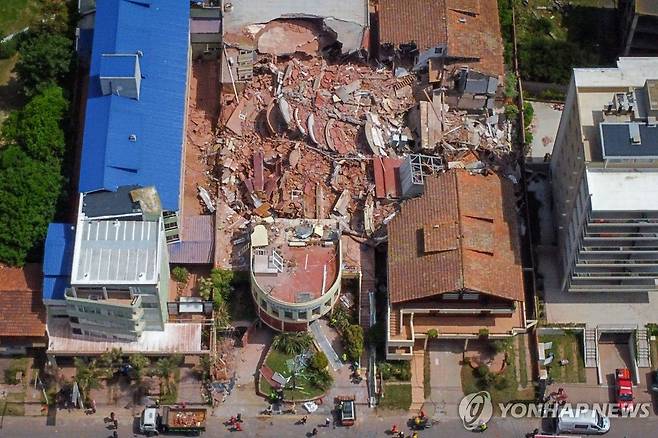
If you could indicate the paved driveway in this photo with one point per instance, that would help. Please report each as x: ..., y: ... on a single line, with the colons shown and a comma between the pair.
x: 445, y: 377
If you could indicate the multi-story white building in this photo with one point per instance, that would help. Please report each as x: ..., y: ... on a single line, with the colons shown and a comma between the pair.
x: 604, y: 172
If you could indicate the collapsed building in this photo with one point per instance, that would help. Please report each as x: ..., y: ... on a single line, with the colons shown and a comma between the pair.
x: 312, y: 137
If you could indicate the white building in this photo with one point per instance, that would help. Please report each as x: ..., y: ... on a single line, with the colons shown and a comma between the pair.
x: 604, y: 172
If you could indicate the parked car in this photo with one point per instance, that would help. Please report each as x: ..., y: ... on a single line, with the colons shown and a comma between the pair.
x: 582, y: 422
x: 623, y: 389
x: 346, y: 410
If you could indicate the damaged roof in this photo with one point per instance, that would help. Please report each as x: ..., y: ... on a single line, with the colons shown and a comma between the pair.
x: 347, y: 18
x: 456, y: 238
x: 469, y: 29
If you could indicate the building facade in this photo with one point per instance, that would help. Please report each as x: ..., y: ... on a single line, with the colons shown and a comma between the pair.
x: 296, y: 271
x: 604, y: 171
x: 446, y: 252
x: 120, y: 269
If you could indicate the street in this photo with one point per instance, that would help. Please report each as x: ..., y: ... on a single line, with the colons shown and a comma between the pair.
x: 370, y: 424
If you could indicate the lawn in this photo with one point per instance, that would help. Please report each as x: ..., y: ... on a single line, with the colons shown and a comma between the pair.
x: 396, y: 396
x: 13, y: 404
x: 304, y: 388
x: 569, y: 347
x: 523, y: 364
x: 505, y: 386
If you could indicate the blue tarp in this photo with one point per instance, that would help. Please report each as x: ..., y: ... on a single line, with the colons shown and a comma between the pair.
x: 57, y: 260
x: 157, y: 30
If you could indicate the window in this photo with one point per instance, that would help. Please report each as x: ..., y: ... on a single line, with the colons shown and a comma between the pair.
x: 263, y: 303
x: 316, y: 311
x: 170, y: 226
x: 74, y: 320
x: 287, y: 314
x: 302, y: 315
x: 77, y: 331
x: 274, y: 312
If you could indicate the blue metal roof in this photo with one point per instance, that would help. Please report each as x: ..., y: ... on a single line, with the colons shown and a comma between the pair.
x: 118, y: 66
x: 57, y: 260
x: 159, y: 31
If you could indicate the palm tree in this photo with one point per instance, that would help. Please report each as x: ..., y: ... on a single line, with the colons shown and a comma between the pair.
x: 87, y: 375
x: 165, y: 367
x: 293, y: 343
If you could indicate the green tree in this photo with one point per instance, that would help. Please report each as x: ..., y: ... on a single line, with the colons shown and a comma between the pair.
x: 353, y: 341
x: 319, y: 361
x: 140, y: 363
x: 292, y: 343
x: 29, y: 190
x: 180, y: 274
x: 38, y: 127
x: 164, y: 369
x: 432, y: 333
x: 45, y: 61
x: 87, y: 375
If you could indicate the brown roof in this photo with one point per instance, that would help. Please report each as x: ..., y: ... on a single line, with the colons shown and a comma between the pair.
x: 460, y: 235
x: 469, y: 28
x: 22, y: 312
x: 422, y: 22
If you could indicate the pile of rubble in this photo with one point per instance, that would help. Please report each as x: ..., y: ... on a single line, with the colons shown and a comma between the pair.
x: 299, y: 140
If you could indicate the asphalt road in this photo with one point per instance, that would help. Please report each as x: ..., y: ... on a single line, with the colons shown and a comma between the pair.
x: 374, y: 425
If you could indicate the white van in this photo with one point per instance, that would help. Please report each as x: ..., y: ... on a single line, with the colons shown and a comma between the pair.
x: 583, y: 422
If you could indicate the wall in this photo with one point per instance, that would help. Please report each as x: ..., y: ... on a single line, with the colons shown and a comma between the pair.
x: 325, y: 303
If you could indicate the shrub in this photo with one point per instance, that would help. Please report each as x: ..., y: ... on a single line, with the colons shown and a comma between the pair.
x: 321, y: 379
x: 353, y: 341
x: 319, y: 361
x: 8, y: 48
x: 432, y: 333
x: 180, y: 274
x: 501, y: 382
x: 483, y: 333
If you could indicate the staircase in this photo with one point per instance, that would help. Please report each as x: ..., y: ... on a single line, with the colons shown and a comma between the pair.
x: 368, y: 285
x: 591, y: 348
x: 642, y: 348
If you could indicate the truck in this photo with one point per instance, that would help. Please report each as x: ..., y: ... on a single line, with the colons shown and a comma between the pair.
x: 346, y: 409
x: 174, y: 419
x: 623, y: 390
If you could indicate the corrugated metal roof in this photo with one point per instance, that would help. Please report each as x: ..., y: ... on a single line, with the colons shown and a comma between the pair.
x: 159, y: 30
x: 197, y: 245
x: 57, y: 260
x: 112, y: 251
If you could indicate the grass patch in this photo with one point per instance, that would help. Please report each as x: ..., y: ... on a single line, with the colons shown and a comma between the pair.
x: 395, y: 370
x: 15, y: 366
x: 304, y: 387
x: 13, y: 405
x: 523, y: 364
x: 396, y: 396
x: 503, y: 386
x: 427, y: 382
x: 567, y: 346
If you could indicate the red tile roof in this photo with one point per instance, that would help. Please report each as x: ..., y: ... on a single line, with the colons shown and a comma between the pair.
x: 22, y: 312
x: 460, y: 235
x: 469, y: 28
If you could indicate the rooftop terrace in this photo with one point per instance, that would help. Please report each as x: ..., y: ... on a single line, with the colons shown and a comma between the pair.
x: 296, y: 261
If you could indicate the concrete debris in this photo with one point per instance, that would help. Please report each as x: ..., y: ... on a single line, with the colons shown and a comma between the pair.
x: 205, y: 197
x: 334, y: 144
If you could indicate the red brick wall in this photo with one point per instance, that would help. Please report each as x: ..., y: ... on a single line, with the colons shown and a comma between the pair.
x: 267, y: 319
x: 294, y: 326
